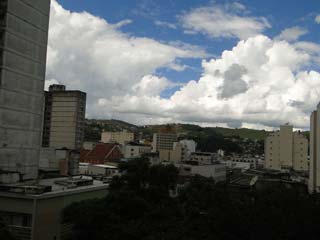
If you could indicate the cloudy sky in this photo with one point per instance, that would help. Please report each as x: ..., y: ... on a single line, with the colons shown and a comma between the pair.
x: 214, y: 63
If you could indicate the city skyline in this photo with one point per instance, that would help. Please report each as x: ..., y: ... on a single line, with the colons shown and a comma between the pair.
x: 203, y: 63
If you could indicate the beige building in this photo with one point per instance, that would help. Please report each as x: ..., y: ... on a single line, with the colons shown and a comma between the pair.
x: 64, y: 118
x: 176, y: 155
x: 163, y: 141
x: 286, y: 150
x: 314, y: 170
x: 23, y: 47
x: 33, y: 212
x: 118, y: 137
x: 135, y: 150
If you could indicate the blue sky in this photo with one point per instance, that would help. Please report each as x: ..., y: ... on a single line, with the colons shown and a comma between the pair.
x: 197, y: 33
x: 143, y: 13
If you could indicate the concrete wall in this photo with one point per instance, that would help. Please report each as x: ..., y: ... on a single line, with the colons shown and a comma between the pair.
x: 21, y: 87
x: 119, y: 137
x: 130, y: 151
x: 67, y: 119
x: 286, y: 146
x: 163, y: 141
x: 46, y: 213
x: 216, y: 171
x: 300, y: 152
x: 314, y: 170
x: 286, y: 150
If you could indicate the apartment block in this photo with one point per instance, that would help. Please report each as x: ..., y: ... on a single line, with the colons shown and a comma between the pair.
x: 314, y: 169
x: 286, y: 150
x: 118, y: 137
x: 163, y: 141
x: 64, y: 118
x: 23, y: 48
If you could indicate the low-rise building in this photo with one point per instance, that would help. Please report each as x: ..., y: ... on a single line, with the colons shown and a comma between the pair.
x: 33, y: 211
x: 245, y: 161
x: 204, y: 157
x: 102, y: 153
x: 217, y: 171
x: 103, y: 169
x: 135, y: 150
x: 64, y: 161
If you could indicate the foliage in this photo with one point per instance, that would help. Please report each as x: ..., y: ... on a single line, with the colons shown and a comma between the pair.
x: 139, y: 207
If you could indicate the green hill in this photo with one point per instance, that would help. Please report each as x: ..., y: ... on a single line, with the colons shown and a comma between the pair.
x: 243, y: 133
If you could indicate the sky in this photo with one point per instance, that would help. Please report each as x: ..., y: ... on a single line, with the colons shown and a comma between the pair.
x: 252, y: 64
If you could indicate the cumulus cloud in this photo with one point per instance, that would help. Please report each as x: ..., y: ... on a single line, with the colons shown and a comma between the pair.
x: 86, y: 52
x: 317, y: 19
x: 227, y: 21
x: 233, y: 84
x: 292, y: 34
x: 260, y: 82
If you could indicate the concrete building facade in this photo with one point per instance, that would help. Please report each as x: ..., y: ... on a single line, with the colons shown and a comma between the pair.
x: 189, y: 145
x: 135, y: 150
x: 163, y: 141
x: 64, y: 118
x: 314, y: 169
x: 118, y: 137
x: 203, y: 157
x: 33, y: 212
x: 286, y: 150
x: 216, y: 171
x: 23, y: 47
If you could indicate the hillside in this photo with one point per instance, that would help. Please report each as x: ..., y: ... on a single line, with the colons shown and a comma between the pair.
x: 243, y: 133
x: 209, y: 139
x: 95, y: 127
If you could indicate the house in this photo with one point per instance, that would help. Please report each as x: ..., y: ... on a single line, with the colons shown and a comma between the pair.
x: 102, y: 153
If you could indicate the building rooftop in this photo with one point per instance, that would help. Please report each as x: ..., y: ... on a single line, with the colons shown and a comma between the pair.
x: 53, y: 187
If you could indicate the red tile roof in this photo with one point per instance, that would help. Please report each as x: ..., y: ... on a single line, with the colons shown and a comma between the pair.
x: 100, y: 153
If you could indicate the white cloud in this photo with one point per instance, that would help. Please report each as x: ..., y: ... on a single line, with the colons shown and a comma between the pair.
x: 227, y: 21
x: 86, y: 52
x: 259, y: 83
x: 151, y: 86
x: 165, y: 24
x: 317, y: 19
x: 292, y: 34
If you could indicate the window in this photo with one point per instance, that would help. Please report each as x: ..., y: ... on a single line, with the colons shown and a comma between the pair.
x: 17, y: 219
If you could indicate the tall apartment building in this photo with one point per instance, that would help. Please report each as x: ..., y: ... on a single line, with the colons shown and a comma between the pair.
x: 286, y: 150
x: 23, y: 47
x: 314, y: 169
x: 163, y: 141
x: 118, y: 137
x: 64, y: 118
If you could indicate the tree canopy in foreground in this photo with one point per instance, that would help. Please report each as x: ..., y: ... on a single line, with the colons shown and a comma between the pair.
x: 139, y: 207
